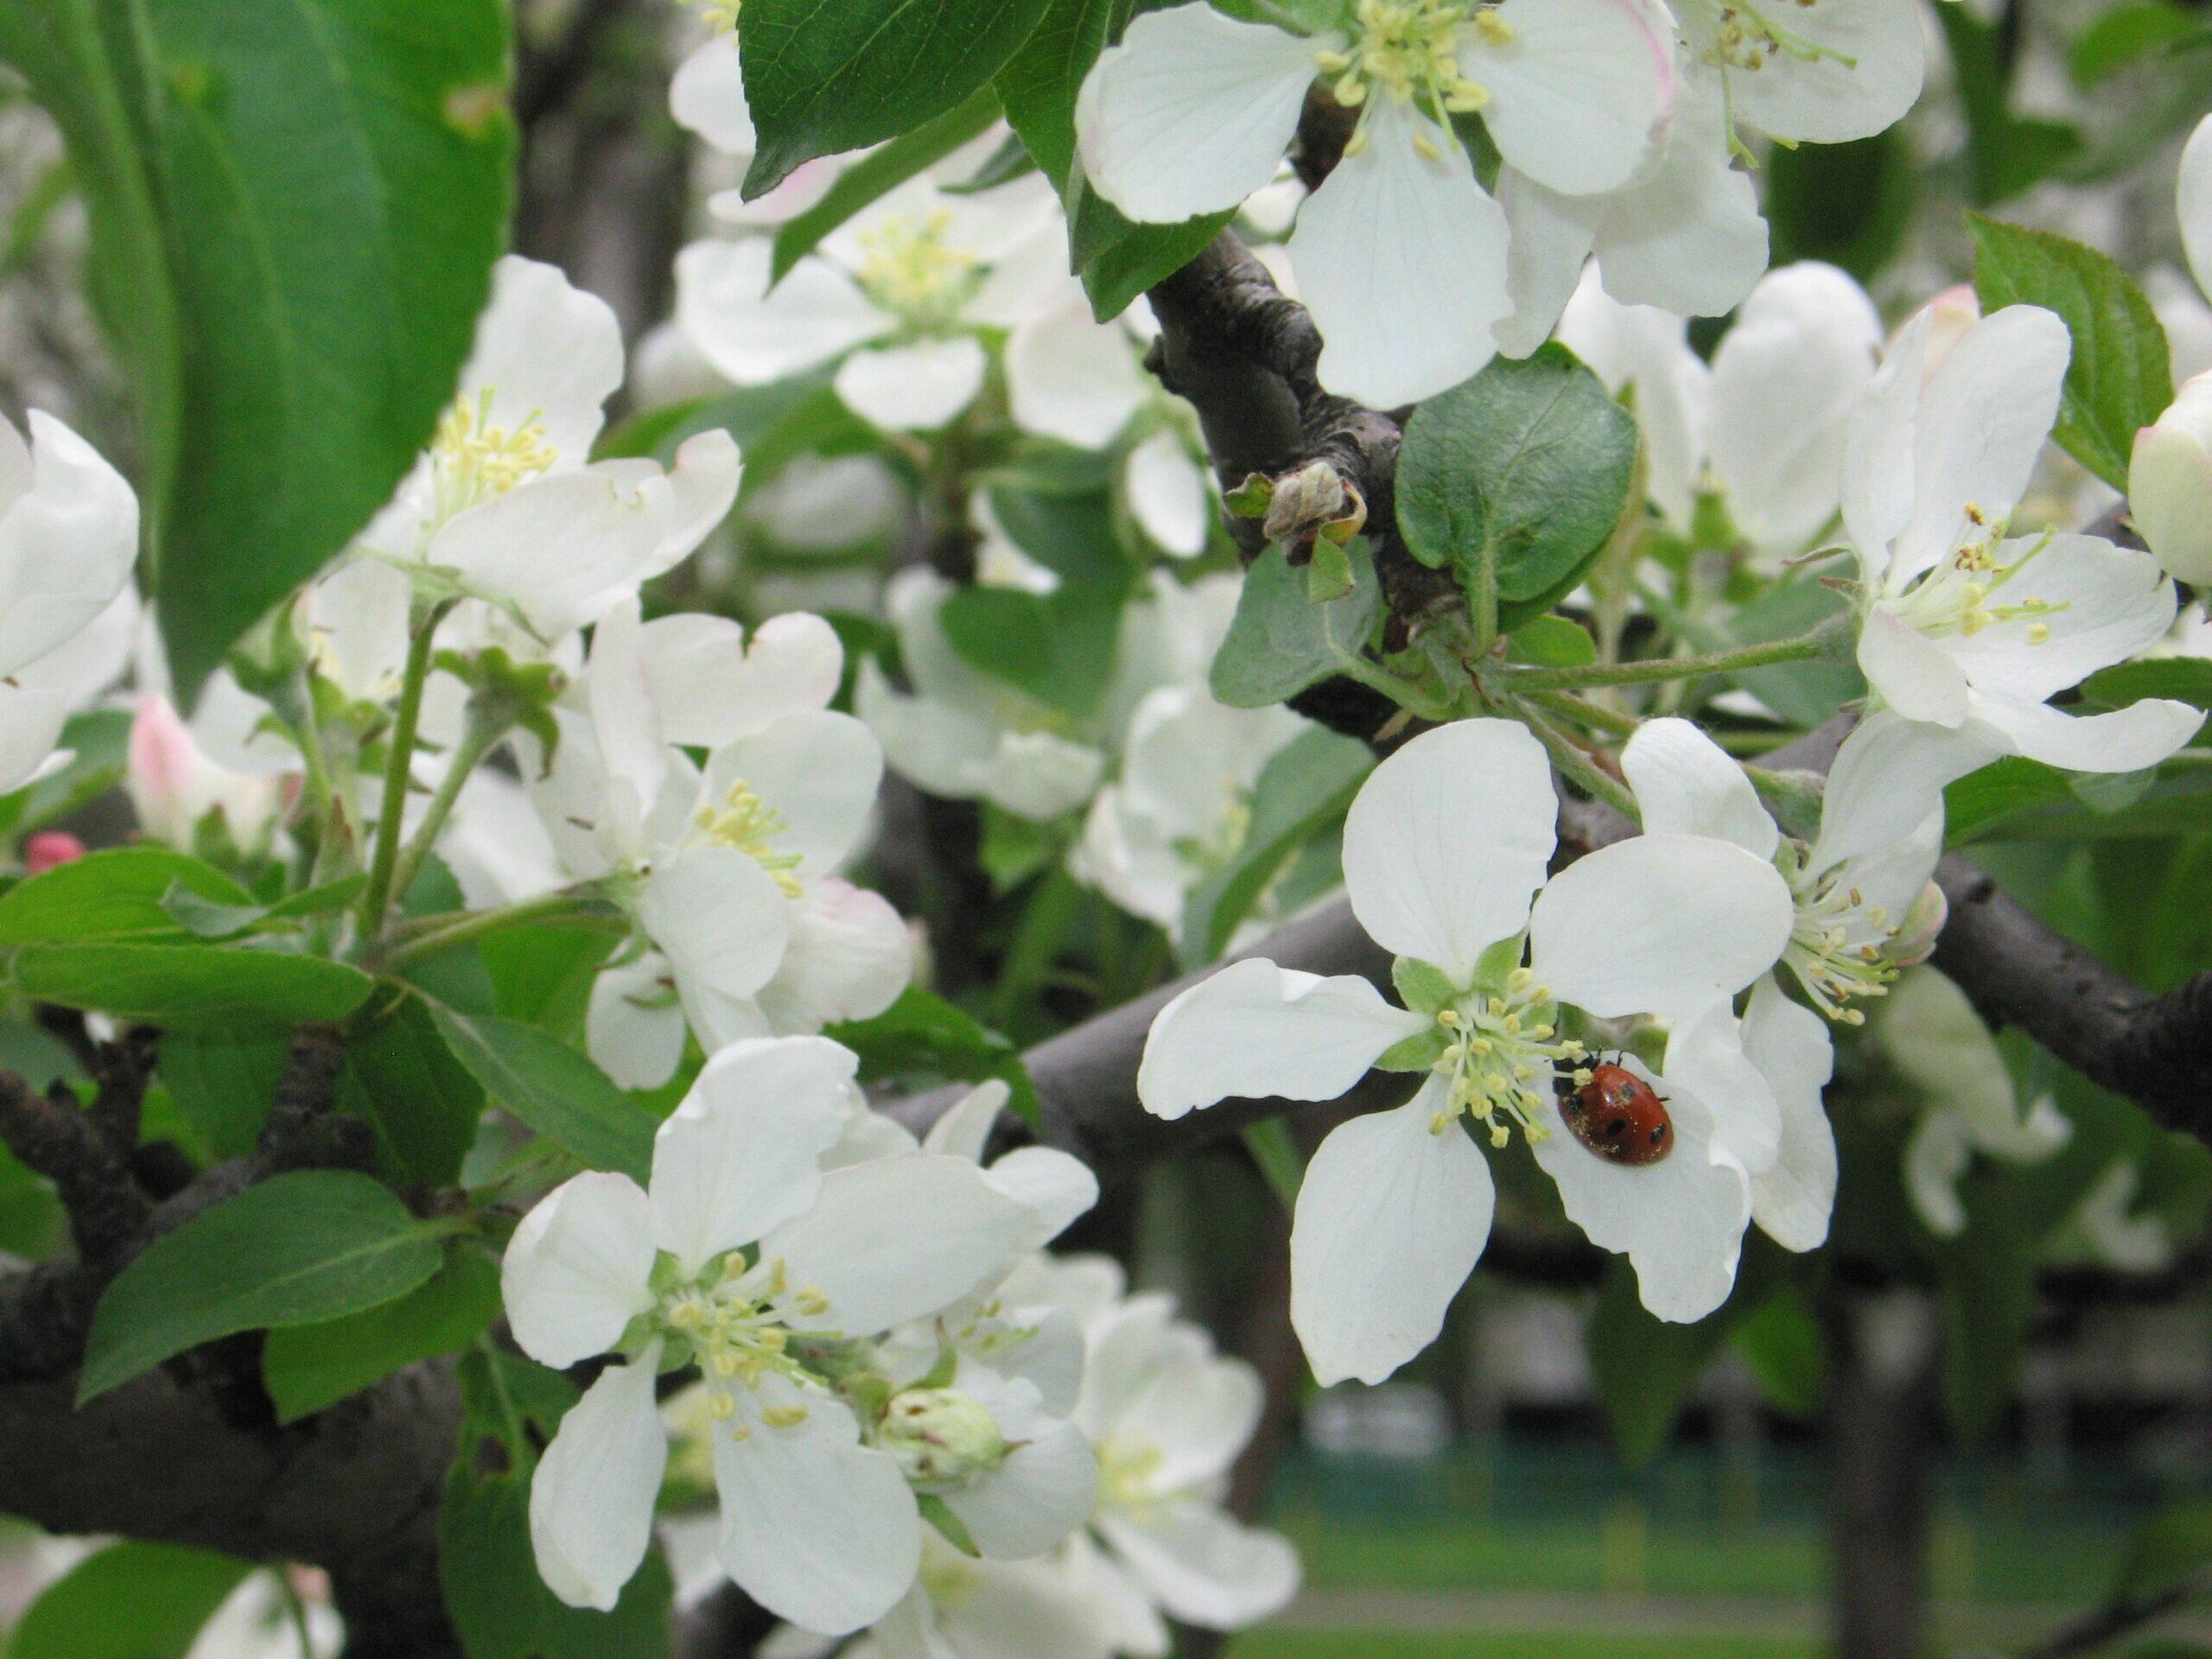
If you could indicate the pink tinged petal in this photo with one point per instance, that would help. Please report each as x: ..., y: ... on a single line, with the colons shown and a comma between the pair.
x: 1192, y: 111
x: 719, y: 918
x: 546, y: 351
x: 1550, y: 238
x: 1792, y: 1201
x: 1033, y: 1501
x: 1447, y: 840
x: 591, y: 1501
x: 1390, y: 1221
x: 900, y: 1238
x: 2109, y: 603
x: 2126, y: 739
x: 738, y: 1156
x: 1910, y: 672
x: 1072, y: 378
x: 724, y: 305
x: 913, y: 388
x: 1878, y: 448
x: 1169, y: 495
x: 1576, y: 91
x: 574, y: 1273
x: 1368, y: 247
x: 1869, y: 78
x: 816, y: 1528
x: 68, y: 538
x: 1198, y: 1413
x: 633, y: 1028
x: 1679, y: 1220
x: 1257, y: 1032
x: 1706, y: 1055
x: 1205, y: 1566
x: 1889, y: 775
x: 2170, y: 489
x: 2193, y: 202
x: 707, y: 96
x: 1660, y: 923
x: 1984, y: 416
x: 850, y: 957
x: 1688, y: 784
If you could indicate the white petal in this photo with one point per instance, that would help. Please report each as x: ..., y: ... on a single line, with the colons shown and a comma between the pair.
x: 965, y: 1130
x: 1058, y: 1187
x: 1878, y: 448
x: 1205, y: 1568
x: 634, y: 1028
x: 1255, y: 1032
x: 574, y: 1273
x: 1390, y: 1220
x: 68, y: 538
x: 1197, y: 1414
x: 1033, y: 1501
x: 547, y: 352
x: 591, y: 1501
x: 702, y: 484
x: 1867, y: 76
x: 1936, y: 1158
x: 914, y: 388
x: 1169, y: 495
x: 30, y: 725
x: 719, y: 918
x: 1575, y: 92
x: 1706, y: 1055
x: 1790, y: 1046
x: 707, y: 96
x: 1660, y: 923
x: 1072, y: 378
x: 624, y: 721
x: 1688, y: 784
x: 1191, y: 112
x: 559, y: 547
x: 2193, y: 202
x: 1446, y: 840
x: 1643, y: 353
x: 2126, y: 739
x: 1550, y: 237
x: 1367, y: 250
x: 710, y: 688
x: 2169, y: 482
x: 2110, y: 603
x: 942, y: 750
x: 815, y: 1527
x: 738, y: 1156
x: 849, y: 958
x: 898, y: 1239
x: 1016, y: 1611
x: 1679, y: 1220
x: 1984, y: 416
x: 817, y: 771
x: 1889, y: 775
x: 1939, y: 1042
x: 753, y: 336
x: 1911, y: 672
x: 1039, y: 775
x: 1686, y: 234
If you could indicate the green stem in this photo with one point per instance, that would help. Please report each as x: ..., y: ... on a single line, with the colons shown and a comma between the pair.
x: 1588, y: 711
x: 1658, y: 670
x: 398, y: 763
x: 1399, y: 690
x: 1578, y: 768
x: 580, y: 907
x: 1481, y: 602
x: 1276, y: 1154
x: 476, y: 742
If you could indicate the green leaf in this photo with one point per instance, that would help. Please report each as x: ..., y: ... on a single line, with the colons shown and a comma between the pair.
x: 424, y: 1103
x: 1038, y: 84
x: 2124, y: 33
x: 309, y: 1368
x: 195, y: 985
x: 877, y: 175
x: 223, y: 1083
x: 130, y: 1601
x: 1421, y: 988
x: 2186, y: 679
x: 923, y: 1035
x: 1305, y: 787
x: 1281, y: 642
x: 2006, y: 153
x: 822, y: 76
x: 97, y: 743
x: 205, y: 919
x: 554, y: 1090
x: 295, y: 209
x: 1552, y: 642
x: 1070, y: 533
x: 297, y: 1249
x: 1803, y: 693
x: 1058, y: 647
x: 112, y: 894
x: 1119, y: 260
x: 1782, y: 1346
x: 2121, y: 378
x: 1527, y: 463
x: 1849, y: 204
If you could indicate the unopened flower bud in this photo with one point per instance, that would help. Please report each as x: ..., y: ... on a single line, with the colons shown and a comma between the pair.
x: 1314, y: 501
x: 50, y: 848
x: 2169, y: 484
x: 943, y: 1440
x: 1914, y: 942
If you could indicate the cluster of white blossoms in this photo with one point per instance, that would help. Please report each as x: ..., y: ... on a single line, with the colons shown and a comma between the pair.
x: 916, y: 1424
x: 1611, y: 120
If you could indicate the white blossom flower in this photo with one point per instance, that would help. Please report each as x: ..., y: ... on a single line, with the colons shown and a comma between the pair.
x: 895, y: 295
x: 177, y: 789
x: 1444, y: 850
x: 1964, y: 630
x: 2193, y: 203
x: 1932, y: 1035
x: 1192, y: 111
x: 68, y: 538
x: 1182, y: 805
x: 2169, y: 484
x: 2116, y: 1236
x: 819, y: 1524
x: 506, y: 505
x: 1825, y: 72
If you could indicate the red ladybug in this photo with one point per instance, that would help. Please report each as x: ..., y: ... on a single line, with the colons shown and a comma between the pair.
x: 1618, y: 1116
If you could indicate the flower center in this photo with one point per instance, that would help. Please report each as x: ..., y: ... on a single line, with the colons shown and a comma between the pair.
x: 1836, y: 938
x: 472, y: 460
x: 1128, y: 1476
x: 910, y: 268
x: 943, y: 1440
x: 1409, y: 50
x: 731, y: 1323
x: 719, y: 14
x: 751, y: 825
x: 1952, y: 601
x: 1745, y: 38
x: 1503, y: 1059
x: 1232, y: 823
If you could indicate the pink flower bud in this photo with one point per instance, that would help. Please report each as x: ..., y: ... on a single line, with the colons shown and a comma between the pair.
x: 48, y: 848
